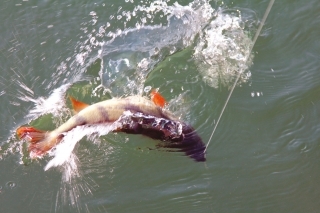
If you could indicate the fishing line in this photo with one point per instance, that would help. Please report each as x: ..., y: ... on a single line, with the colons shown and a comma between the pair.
x: 240, y: 72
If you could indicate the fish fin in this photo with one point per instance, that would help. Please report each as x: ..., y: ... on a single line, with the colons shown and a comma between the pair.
x: 40, y: 141
x: 42, y: 147
x: 77, y: 105
x: 39, y: 149
x: 31, y: 134
x: 157, y: 98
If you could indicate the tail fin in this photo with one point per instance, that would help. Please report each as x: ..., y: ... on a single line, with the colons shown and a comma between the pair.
x: 40, y: 141
x: 31, y: 134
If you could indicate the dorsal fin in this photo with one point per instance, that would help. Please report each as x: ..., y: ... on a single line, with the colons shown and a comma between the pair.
x: 77, y: 105
x: 157, y: 98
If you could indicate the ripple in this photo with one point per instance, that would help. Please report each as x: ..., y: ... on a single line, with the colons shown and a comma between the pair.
x: 11, y: 185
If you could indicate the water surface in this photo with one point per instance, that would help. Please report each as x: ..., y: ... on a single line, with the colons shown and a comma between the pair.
x: 263, y: 156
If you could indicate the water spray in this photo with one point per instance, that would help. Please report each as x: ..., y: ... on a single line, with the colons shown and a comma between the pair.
x: 241, y: 71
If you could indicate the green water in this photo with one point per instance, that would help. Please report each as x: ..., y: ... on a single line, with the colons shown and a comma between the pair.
x: 262, y: 158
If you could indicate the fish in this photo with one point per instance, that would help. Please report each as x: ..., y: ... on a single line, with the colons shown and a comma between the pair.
x: 135, y: 114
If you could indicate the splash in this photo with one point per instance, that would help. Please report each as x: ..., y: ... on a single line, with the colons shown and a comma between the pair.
x: 221, y: 39
x: 131, y: 54
x: 54, y: 104
x: 223, y: 50
x: 73, y: 184
x: 63, y: 152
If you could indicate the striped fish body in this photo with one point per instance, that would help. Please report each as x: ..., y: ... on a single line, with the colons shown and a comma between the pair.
x: 146, y: 118
x: 110, y: 110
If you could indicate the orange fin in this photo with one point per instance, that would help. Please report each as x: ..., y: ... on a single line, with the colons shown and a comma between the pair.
x: 77, y: 105
x: 40, y: 141
x: 42, y: 147
x: 38, y: 149
x: 31, y: 134
x: 157, y: 98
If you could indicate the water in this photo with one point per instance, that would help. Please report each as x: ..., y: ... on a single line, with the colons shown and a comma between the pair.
x: 263, y: 155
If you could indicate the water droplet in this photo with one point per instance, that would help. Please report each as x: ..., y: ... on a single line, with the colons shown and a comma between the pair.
x: 11, y: 185
x: 147, y: 89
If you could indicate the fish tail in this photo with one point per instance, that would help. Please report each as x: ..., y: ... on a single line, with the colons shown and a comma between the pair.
x: 31, y: 134
x: 39, y: 149
x: 40, y: 141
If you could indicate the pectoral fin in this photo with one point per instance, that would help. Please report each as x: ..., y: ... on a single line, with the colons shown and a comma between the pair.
x: 157, y: 98
x: 77, y: 105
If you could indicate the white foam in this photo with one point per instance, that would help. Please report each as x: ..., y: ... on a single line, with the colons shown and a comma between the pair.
x: 54, y: 104
x: 62, y: 153
x: 223, y: 50
x: 146, y: 45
